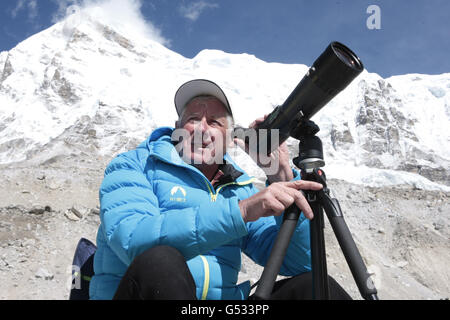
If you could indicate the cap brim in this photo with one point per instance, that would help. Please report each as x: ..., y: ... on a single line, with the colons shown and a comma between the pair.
x: 199, y: 87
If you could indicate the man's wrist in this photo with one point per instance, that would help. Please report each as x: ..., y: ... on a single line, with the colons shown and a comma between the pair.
x: 243, y: 211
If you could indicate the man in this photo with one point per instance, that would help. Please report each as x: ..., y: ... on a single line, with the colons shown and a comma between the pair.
x: 176, y: 215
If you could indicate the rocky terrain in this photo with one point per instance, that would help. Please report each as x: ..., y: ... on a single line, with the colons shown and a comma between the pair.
x: 402, y: 232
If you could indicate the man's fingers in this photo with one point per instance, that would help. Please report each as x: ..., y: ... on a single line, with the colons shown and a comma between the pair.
x: 254, y: 123
x: 298, y: 197
x: 304, y: 185
x: 284, y: 195
x: 303, y: 205
x: 277, y: 207
x: 287, y: 196
x: 257, y: 121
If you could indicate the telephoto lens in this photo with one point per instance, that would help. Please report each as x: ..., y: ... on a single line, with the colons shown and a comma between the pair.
x: 331, y: 73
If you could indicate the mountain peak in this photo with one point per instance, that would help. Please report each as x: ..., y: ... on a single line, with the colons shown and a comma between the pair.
x: 89, y: 86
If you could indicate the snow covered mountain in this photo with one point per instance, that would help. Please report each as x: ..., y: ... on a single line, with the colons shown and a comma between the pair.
x: 81, y: 87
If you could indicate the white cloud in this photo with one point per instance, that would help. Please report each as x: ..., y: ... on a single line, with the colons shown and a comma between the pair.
x: 32, y: 9
x: 18, y: 8
x: 195, y: 9
x: 63, y: 6
x: 30, y: 5
x: 124, y: 16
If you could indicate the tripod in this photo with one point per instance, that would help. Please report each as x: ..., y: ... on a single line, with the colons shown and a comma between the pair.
x: 309, y: 161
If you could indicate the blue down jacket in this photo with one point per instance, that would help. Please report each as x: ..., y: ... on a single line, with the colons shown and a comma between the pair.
x: 150, y: 196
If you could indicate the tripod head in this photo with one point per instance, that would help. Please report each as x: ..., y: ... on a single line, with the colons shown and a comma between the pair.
x: 310, y: 146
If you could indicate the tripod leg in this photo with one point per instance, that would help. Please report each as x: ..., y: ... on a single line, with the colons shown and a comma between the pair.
x: 321, y: 289
x: 273, y: 265
x: 353, y: 258
x: 348, y: 246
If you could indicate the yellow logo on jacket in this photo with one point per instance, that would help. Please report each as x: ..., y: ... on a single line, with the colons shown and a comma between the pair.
x: 178, y: 194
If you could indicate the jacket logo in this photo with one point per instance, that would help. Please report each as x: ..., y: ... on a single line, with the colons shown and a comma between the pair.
x: 178, y: 194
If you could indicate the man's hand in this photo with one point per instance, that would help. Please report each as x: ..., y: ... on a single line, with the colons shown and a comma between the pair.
x: 273, y: 200
x: 279, y: 157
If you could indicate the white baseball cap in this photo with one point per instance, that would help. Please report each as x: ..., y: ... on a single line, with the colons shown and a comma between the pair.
x: 199, y: 87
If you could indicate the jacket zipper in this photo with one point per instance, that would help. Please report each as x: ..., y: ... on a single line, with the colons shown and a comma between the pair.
x: 214, y: 196
x: 213, y: 199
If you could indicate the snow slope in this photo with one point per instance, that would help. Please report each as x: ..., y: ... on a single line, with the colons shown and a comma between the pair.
x: 84, y: 86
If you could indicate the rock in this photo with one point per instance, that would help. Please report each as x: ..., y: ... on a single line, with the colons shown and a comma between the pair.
x: 76, y: 211
x: 16, y: 208
x: 439, y: 225
x: 52, y: 184
x: 27, y: 243
x: 402, y: 264
x: 79, y: 211
x: 71, y: 215
x: 4, y: 262
x: 95, y: 211
x: 38, y: 209
x: 43, y: 273
x: 40, y: 176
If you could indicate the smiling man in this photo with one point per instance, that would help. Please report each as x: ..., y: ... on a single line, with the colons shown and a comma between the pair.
x: 177, y: 212
x: 204, y: 123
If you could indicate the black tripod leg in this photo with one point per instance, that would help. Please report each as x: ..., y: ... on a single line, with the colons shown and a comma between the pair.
x: 353, y: 258
x: 279, y: 249
x: 321, y: 289
x: 348, y: 246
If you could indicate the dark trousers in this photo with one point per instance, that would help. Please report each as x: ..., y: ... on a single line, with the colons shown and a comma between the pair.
x: 161, y: 273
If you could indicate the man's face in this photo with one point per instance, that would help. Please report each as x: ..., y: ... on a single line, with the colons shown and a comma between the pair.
x: 205, y: 131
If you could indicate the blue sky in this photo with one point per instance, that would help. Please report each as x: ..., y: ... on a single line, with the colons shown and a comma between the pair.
x: 413, y: 35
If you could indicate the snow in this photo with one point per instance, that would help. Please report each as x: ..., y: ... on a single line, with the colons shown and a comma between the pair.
x: 374, y: 177
x: 118, y: 77
x: 428, y: 107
